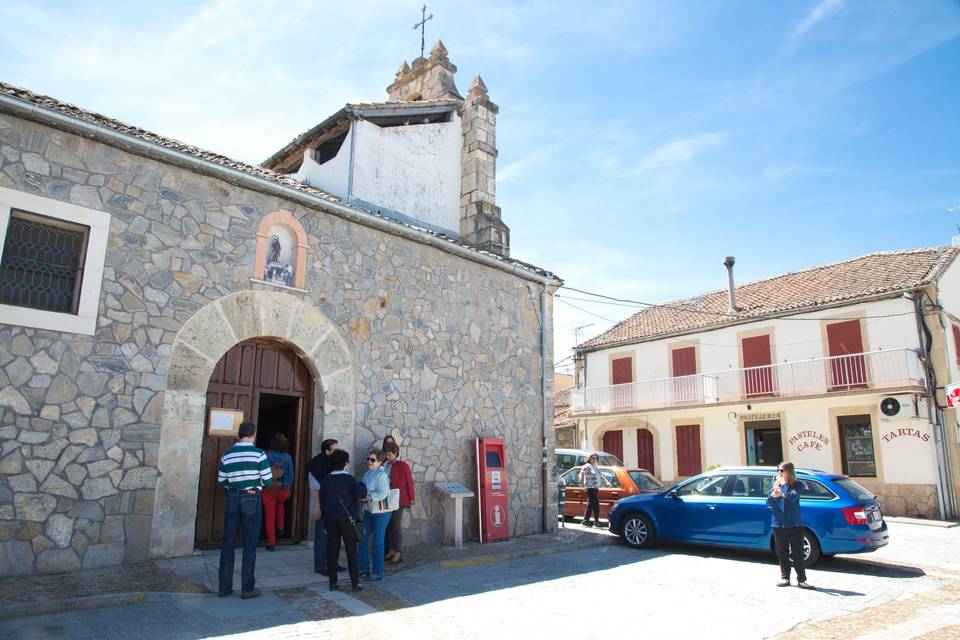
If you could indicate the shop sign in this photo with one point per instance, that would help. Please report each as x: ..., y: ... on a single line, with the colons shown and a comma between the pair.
x: 905, y: 432
x: 809, y: 440
x: 953, y: 395
x: 757, y: 417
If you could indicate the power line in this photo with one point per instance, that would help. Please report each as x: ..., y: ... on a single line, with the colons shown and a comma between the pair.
x: 703, y: 311
x: 596, y: 315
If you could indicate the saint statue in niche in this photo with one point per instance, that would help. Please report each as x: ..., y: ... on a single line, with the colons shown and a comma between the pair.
x: 277, y: 268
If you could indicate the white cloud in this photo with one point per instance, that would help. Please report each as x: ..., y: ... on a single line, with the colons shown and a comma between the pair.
x: 822, y: 11
x: 677, y: 152
x: 518, y: 168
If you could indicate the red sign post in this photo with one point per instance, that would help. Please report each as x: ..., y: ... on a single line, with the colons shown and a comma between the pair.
x: 492, y: 486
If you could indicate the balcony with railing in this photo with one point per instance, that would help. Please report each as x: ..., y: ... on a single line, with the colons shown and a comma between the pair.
x: 896, y: 369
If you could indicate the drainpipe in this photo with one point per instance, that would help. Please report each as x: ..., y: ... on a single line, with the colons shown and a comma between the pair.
x: 944, y: 480
x: 543, y: 407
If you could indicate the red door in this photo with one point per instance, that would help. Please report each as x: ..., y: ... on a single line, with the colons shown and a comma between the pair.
x: 848, y: 370
x: 613, y: 443
x: 688, y: 450
x: 685, y: 364
x: 621, y: 372
x: 645, y: 450
x: 757, y: 375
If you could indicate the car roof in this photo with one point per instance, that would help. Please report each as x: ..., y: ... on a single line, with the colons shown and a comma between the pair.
x: 804, y: 470
x: 582, y: 452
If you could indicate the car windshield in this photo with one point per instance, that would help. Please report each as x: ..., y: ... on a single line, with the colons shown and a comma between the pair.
x: 854, y: 489
x: 645, y: 480
x: 607, y: 460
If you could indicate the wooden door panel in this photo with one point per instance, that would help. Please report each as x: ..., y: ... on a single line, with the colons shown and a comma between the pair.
x: 684, y: 361
x: 613, y: 443
x: 758, y: 377
x: 847, y: 369
x: 688, y: 450
x: 238, y: 379
x: 645, y: 456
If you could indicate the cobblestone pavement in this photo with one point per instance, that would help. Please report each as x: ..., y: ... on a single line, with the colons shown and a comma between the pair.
x: 676, y: 591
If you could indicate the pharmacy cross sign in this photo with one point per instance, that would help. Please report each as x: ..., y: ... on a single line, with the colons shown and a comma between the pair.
x: 422, y: 25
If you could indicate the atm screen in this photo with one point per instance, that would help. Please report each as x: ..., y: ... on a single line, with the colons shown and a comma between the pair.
x: 493, y: 460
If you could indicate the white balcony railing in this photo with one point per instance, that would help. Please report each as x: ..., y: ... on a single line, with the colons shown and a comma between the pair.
x: 891, y: 369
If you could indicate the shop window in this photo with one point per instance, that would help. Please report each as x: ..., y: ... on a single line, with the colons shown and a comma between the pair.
x: 856, y: 446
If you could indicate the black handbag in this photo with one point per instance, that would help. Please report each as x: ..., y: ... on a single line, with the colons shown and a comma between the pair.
x: 357, y: 529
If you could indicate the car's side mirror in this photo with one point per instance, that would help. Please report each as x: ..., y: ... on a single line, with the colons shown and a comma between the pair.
x: 672, y: 494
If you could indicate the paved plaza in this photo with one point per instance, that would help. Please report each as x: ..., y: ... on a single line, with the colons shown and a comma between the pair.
x: 911, y: 589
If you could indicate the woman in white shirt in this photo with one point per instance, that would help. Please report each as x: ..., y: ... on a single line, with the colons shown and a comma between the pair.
x: 591, y: 479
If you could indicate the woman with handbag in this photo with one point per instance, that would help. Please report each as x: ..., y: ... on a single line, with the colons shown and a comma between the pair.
x: 401, y: 479
x: 377, y: 517
x: 278, y: 491
x: 340, y: 499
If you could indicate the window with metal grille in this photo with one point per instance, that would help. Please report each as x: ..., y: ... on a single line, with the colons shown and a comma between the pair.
x: 42, y: 265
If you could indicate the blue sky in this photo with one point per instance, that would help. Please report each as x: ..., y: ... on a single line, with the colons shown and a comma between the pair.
x: 640, y: 142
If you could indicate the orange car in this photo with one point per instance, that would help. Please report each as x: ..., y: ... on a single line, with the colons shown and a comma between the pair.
x: 619, y: 482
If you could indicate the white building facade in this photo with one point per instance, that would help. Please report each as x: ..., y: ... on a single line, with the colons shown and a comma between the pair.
x: 839, y: 368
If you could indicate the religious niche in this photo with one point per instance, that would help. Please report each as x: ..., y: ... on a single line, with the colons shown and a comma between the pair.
x: 278, y: 268
x: 281, y: 250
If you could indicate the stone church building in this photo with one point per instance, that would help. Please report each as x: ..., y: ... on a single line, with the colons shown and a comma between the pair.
x: 356, y: 284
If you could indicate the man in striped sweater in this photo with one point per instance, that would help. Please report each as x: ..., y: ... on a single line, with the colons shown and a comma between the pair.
x: 244, y: 471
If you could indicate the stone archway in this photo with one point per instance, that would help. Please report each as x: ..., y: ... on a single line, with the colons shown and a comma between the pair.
x: 199, y: 345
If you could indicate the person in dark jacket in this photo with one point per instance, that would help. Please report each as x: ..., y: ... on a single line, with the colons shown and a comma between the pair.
x: 340, y: 502
x: 784, y: 502
x: 318, y: 469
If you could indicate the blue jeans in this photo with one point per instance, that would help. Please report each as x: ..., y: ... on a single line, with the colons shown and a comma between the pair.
x: 375, y: 530
x: 319, y: 546
x: 243, y: 512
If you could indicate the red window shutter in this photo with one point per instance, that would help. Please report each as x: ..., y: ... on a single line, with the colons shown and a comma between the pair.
x: 622, y: 370
x: 684, y: 361
x: 956, y: 341
x: 688, y: 450
x: 756, y: 353
x: 848, y: 371
x: 613, y: 443
x: 645, y: 458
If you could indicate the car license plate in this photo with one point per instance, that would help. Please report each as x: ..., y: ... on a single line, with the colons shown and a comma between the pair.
x: 876, y: 516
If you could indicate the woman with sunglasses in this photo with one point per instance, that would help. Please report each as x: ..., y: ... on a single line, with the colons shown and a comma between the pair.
x: 375, y: 524
x: 784, y: 502
x: 591, y: 479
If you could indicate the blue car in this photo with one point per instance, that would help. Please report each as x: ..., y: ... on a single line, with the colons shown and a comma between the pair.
x: 728, y: 508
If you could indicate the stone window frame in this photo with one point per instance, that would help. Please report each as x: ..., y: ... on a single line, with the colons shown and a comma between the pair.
x: 284, y: 218
x: 84, y: 321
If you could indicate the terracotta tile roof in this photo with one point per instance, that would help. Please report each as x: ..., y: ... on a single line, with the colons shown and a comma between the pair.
x: 561, y: 412
x: 52, y: 104
x: 851, y: 280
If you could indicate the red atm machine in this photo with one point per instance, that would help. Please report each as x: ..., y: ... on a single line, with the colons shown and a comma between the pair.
x: 492, y: 489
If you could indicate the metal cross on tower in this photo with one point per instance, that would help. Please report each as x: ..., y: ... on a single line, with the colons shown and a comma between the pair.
x: 422, y: 25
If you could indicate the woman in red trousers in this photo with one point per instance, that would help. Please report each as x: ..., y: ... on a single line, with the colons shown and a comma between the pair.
x: 278, y: 492
x: 400, y: 478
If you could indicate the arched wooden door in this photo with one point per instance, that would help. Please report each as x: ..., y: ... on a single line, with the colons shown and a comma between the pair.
x: 645, y: 459
x: 271, y: 386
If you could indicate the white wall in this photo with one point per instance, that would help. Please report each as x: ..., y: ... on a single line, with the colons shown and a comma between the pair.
x: 793, y: 340
x: 906, y: 455
x: 414, y: 170
x: 949, y: 291
x: 333, y: 176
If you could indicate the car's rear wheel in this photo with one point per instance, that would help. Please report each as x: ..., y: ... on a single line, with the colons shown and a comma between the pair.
x: 811, y: 548
x: 638, y: 531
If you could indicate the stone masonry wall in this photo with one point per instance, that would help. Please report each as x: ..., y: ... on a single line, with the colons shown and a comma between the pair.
x: 447, y: 350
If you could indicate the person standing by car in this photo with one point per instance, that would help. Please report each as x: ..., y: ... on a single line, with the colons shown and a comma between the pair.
x: 784, y: 502
x: 591, y: 479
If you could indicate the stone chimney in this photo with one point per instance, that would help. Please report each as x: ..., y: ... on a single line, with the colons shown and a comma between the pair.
x: 426, y: 79
x: 480, y: 223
